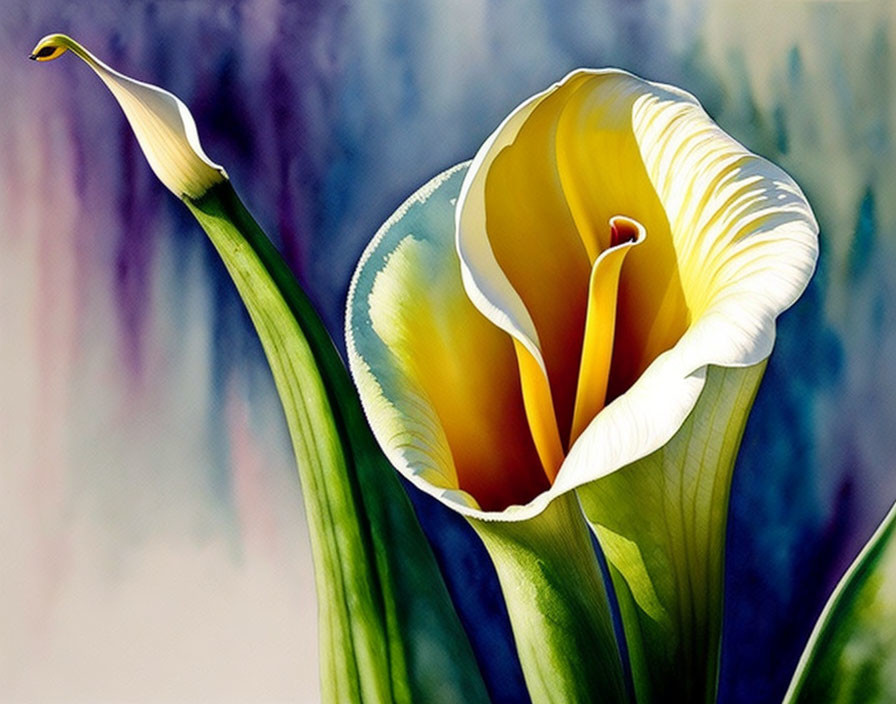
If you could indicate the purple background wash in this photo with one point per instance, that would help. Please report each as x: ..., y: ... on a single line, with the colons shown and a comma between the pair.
x: 152, y: 540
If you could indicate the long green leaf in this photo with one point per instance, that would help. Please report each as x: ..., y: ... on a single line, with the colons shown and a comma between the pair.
x: 851, y: 655
x: 386, y: 619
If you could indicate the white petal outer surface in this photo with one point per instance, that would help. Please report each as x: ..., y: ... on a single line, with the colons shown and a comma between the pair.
x: 745, y: 243
x: 163, y: 125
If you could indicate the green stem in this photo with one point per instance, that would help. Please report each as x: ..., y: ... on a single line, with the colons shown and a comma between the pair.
x: 557, y: 603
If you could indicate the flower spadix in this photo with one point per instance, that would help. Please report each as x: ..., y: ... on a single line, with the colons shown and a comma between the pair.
x: 545, y: 315
x: 162, y: 124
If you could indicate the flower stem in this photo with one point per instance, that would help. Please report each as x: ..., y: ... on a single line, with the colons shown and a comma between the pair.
x: 558, y: 607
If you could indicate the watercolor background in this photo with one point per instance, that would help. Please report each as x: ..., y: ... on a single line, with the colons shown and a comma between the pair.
x: 151, y: 530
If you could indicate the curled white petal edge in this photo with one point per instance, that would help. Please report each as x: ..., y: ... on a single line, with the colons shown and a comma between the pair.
x: 163, y: 125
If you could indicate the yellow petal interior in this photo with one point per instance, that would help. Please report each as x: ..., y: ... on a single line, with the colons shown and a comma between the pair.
x: 465, y: 370
x: 603, y: 174
x: 603, y: 310
x: 536, y: 243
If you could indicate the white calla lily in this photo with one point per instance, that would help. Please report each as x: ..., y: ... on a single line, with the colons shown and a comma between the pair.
x: 730, y: 243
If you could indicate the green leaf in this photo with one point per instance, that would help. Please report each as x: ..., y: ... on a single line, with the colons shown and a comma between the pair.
x: 388, y: 629
x: 851, y: 655
x: 661, y: 523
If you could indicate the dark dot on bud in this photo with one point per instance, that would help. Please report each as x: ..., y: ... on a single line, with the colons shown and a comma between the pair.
x: 45, y: 52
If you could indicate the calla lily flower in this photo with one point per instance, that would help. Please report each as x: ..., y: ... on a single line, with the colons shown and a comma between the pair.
x: 611, y: 243
x: 596, y: 291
